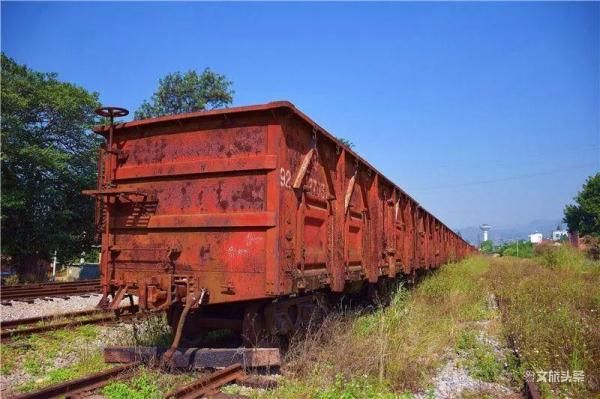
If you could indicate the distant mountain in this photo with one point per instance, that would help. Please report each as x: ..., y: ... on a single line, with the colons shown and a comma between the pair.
x: 510, y: 233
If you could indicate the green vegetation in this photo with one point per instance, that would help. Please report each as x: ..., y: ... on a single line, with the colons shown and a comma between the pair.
x: 360, y: 387
x: 147, y: 384
x: 37, y: 356
x: 397, y: 348
x: 48, y: 157
x: 486, y: 247
x: 150, y: 331
x: 357, y: 388
x: 481, y: 360
x: 551, y: 309
x: 548, y: 305
x: 520, y: 249
x: 584, y: 215
x: 90, y: 364
x: 141, y: 387
x: 180, y: 93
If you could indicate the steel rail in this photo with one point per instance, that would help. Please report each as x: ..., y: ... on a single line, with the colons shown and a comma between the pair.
x: 13, y: 329
x: 34, y: 320
x: 50, y: 284
x: 48, y: 288
x: 208, y: 384
x: 49, y: 293
x: 33, y: 291
x: 87, y: 383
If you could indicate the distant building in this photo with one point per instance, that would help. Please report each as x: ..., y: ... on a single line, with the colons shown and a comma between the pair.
x: 558, y: 235
x: 536, y: 238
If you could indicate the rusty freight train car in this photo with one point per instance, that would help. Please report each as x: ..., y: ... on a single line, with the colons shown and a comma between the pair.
x: 246, y: 213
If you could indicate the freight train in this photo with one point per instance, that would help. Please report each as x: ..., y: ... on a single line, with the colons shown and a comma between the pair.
x: 244, y: 217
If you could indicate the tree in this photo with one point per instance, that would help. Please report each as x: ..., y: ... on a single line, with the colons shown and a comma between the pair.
x: 520, y: 248
x: 584, y: 215
x: 180, y: 93
x: 486, y: 247
x: 48, y: 156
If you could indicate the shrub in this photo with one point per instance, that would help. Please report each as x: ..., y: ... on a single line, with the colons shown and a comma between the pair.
x: 563, y: 256
x: 521, y: 249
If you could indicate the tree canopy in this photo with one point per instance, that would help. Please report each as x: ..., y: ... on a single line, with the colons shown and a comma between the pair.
x: 486, y: 247
x: 180, y: 93
x: 584, y: 215
x: 48, y: 156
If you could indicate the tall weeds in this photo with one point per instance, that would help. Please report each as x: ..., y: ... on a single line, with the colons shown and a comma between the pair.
x: 551, y: 308
x: 551, y: 311
x: 398, y: 347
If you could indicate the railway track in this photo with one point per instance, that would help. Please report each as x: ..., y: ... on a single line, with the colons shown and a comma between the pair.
x: 26, y: 292
x: 203, y: 386
x: 209, y: 384
x: 76, y: 388
x: 34, y: 325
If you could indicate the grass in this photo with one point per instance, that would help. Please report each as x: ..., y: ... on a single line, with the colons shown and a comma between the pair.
x: 395, y: 349
x: 41, y: 356
x: 341, y: 388
x: 37, y: 355
x: 551, y: 309
x: 87, y: 365
x: 140, y: 387
x: 548, y: 305
x: 36, y: 351
x: 481, y: 361
x: 150, y: 331
x: 147, y: 384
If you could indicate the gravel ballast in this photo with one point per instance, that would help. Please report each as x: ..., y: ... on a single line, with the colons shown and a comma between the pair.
x: 48, y: 307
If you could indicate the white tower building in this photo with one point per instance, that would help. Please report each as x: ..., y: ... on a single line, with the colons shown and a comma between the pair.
x: 485, y: 228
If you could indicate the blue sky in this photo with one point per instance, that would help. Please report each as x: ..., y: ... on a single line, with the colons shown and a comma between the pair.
x: 484, y: 112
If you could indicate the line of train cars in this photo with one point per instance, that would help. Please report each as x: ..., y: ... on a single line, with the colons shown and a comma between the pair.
x: 243, y: 218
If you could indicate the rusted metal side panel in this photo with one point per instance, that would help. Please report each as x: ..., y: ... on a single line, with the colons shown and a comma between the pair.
x: 356, y: 236
x: 209, y: 211
x: 391, y: 243
x: 305, y: 179
x: 410, y: 234
x: 374, y: 228
x: 340, y: 215
x: 274, y: 283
